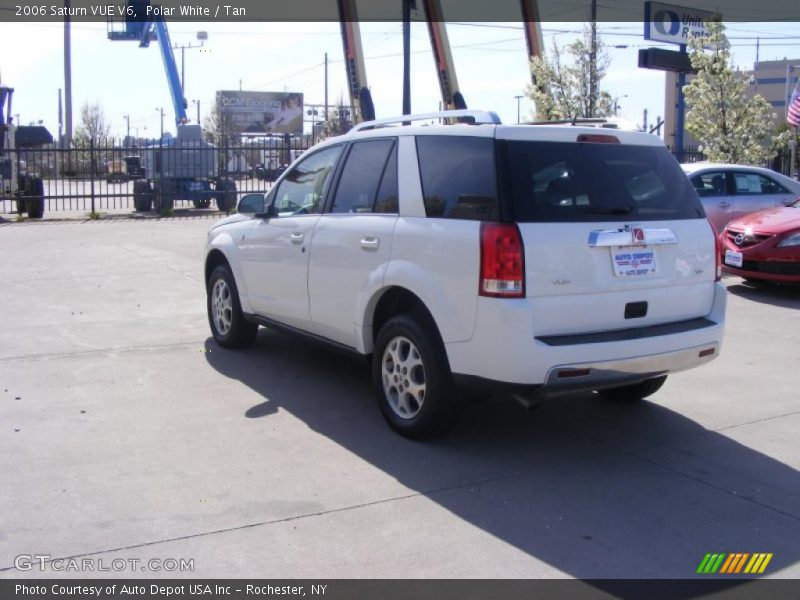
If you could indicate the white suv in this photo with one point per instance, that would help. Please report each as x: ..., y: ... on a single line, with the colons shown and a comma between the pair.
x: 531, y: 259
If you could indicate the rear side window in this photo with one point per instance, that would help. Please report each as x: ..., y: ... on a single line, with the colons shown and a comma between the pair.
x: 567, y: 182
x: 362, y: 177
x: 756, y: 184
x: 458, y: 177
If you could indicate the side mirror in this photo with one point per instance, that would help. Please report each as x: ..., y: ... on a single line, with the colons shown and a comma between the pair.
x: 270, y: 212
x: 251, y: 204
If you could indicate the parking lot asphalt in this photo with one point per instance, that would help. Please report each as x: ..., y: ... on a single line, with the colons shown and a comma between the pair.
x: 126, y: 432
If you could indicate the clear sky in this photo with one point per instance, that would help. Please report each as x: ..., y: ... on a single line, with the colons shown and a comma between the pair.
x: 490, y: 61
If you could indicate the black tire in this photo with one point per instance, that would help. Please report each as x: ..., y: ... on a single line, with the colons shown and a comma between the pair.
x: 412, y: 338
x: 226, y: 194
x: 35, y: 200
x: 637, y: 391
x: 201, y: 203
x: 239, y: 333
x: 23, y: 185
x: 142, y: 196
x: 164, y: 196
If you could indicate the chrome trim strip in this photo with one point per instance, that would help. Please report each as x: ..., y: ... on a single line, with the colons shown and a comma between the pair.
x: 621, y: 237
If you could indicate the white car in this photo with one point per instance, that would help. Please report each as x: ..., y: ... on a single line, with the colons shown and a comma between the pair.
x: 529, y: 259
x: 732, y: 191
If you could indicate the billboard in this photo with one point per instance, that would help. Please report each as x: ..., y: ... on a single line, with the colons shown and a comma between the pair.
x: 674, y: 24
x: 254, y: 113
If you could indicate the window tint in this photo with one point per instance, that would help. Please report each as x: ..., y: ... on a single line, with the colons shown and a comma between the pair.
x: 458, y: 177
x: 361, y: 176
x: 301, y: 192
x: 387, y: 201
x: 753, y: 183
x: 710, y: 184
x: 566, y: 182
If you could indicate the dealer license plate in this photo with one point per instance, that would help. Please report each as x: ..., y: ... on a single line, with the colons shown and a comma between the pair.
x: 633, y: 261
x: 733, y: 258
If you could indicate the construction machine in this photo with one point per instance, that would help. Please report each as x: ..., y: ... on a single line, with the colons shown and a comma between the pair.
x: 183, y: 167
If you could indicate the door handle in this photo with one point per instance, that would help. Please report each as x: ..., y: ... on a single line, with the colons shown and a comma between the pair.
x: 724, y: 204
x: 788, y: 201
x: 370, y: 243
x: 297, y: 238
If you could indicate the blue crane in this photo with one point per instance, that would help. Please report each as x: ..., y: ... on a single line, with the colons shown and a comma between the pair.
x: 185, y: 167
x: 145, y: 24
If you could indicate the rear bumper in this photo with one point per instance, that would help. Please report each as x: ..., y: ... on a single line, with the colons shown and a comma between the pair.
x: 504, y: 349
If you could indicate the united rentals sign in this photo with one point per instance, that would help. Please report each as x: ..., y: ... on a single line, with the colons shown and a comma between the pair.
x: 674, y: 24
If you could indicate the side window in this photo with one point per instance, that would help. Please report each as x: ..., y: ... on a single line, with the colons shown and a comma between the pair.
x: 387, y: 201
x: 361, y: 176
x: 301, y: 191
x: 458, y: 176
x: 710, y: 184
x: 753, y: 184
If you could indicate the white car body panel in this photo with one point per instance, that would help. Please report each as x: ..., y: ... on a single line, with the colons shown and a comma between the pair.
x: 346, y: 265
x: 274, y: 263
x: 328, y: 284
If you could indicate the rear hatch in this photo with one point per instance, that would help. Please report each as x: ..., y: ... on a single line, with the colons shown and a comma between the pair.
x: 614, y: 234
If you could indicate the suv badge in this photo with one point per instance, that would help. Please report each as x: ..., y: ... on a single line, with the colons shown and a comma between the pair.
x: 637, y: 233
x: 739, y: 239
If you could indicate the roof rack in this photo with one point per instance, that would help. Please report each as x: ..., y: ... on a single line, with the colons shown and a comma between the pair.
x: 474, y: 117
x: 581, y: 121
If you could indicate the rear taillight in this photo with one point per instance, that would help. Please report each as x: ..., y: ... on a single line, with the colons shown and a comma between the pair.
x: 717, y: 252
x: 502, y: 261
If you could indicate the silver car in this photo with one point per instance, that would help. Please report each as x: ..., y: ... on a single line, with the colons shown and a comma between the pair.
x: 731, y: 191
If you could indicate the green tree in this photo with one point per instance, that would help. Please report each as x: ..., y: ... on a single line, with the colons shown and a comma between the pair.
x: 563, y: 82
x: 730, y: 126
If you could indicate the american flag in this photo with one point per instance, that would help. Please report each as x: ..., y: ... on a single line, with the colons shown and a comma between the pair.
x: 793, y: 109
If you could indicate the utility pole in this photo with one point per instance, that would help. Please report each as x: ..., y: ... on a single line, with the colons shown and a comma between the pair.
x: 593, y: 63
x: 161, y: 111
x: 644, y: 120
x: 406, y: 57
x: 128, y: 127
x: 67, y: 76
x: 197, y: 103
x: 326, y: 86
x: 202, y: 36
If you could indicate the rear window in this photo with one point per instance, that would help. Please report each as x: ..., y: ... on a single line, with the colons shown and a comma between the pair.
x: 568, y: 182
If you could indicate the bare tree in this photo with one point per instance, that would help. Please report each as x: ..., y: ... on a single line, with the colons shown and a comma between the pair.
x: 218, y: 127
x: 92, y: 124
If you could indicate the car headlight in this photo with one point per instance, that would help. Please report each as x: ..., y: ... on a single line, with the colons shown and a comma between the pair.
x: 792, y: 240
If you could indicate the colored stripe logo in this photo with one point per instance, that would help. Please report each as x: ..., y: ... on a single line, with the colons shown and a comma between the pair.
x: 734, y: 563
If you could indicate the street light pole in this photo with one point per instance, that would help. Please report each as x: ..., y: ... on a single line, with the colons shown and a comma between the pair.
x: 518, y: 99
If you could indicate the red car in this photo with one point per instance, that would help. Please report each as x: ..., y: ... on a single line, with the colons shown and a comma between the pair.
x: 764, y: 245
